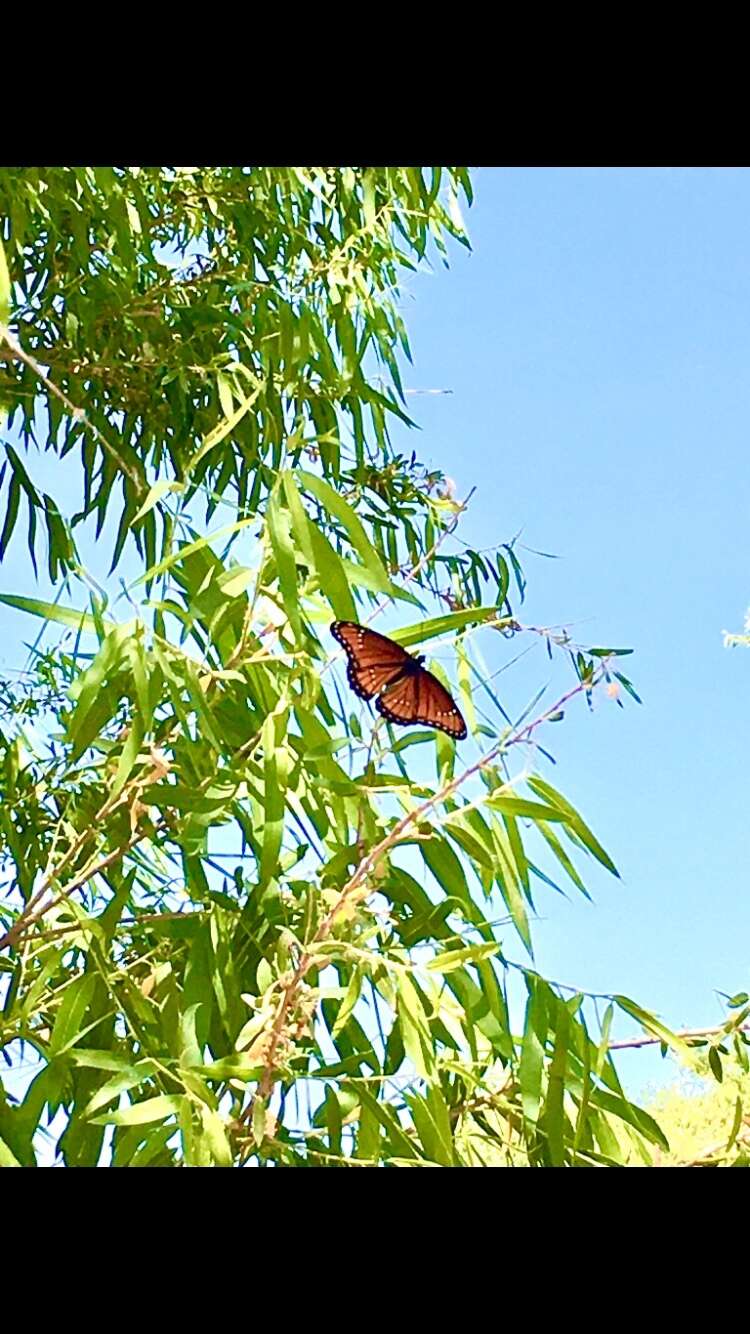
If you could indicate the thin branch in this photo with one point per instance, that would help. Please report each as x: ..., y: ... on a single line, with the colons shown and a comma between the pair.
x: 415, y: 570
x: 85, y: 876
x: 27, y: 919
x: 77, y: 413
x: 129, y: 796
x: 76, y: 846
x: 427, y: 556
x: 125, y: 923
x: 687, y: 1034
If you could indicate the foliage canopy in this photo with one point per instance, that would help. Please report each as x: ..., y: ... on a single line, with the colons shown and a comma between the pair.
x: 236, y: 926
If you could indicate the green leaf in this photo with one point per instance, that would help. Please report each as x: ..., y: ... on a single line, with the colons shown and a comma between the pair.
x: 276, y: 766
x: 190, y: 1048
x: 603, y: 1047
x: 357, y: 576
x: 259, y: 1119
x: 415, y: 1030
x: 226, y: 398
x: 5, y: 288
x: 368, y: 198
x: 184, y: 551
x: 158, y: 490
x: 102, y: 1060
x: 224, y: 428
x: 473, y: 834
x: 11, y: 514
x: 516, y: 849
x: 286, y: 566
x: 575, y: 822
x: 130, y: 1077
x: 443, y: 625
x: 506, y: 876
x: 432, y: 1124
x: 736, y: 1123
x: 49, y: 611
x: 562, y: 856
x: 230, y: 1067
x: 628, y: 686
x: 531, y: 1067
x: 7, y: 1159
x: 319, y: 554
x: 388, y: 1120
x: 332, y: 577
x: 141, y: 1113
x: 368, y: 1134
x: 526, y: 810
x: 653, y: 1025
x: 351, y: 996
x: 333, y: 1120
x: 338, y: 508
x: 76, y: 1000
x: 554, y: 1114
x: 234, y: 582
x: 714, y: 1060
x: 632, y: 1115
x: 449, y: 873
x: 129, y: 755
x: 450, y: 959
x: 216, y: 1137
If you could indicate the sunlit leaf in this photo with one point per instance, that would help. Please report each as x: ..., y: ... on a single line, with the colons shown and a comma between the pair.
x: 141, y: 1113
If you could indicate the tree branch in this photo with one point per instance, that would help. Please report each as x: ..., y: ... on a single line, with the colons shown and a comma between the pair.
x: 687, y: 1034
x: 415, y: 570
x: 129, y: 795
x: 355, y: 885
x: 76, y: 412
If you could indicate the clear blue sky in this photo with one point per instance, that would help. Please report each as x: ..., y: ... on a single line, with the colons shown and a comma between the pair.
x: 597, y: 345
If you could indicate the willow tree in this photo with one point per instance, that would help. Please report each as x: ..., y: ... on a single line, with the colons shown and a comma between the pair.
x: 243, y: 921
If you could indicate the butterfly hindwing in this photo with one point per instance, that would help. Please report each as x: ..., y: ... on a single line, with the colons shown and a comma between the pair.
x: 400, y: 702
x: 422, y: 699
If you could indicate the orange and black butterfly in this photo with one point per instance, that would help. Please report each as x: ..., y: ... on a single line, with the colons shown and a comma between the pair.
x: 407, y: 692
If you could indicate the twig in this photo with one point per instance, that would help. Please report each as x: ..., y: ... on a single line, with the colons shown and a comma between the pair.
x: 76, y: 846
x: 125, y: 923
x: 31, y: 913
x: 27, y: 919
x: 427, y: 556
x: 687, y: 1034
x: 717, y: 1153
x: 415, y: 570
x: 77, y: 413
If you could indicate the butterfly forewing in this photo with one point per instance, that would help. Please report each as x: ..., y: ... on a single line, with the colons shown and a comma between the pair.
x: 408, y: 692
x: 373, y: 660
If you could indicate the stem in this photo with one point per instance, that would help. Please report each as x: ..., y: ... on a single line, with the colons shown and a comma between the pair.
x: 687, y: 1034
x: 76, y: 412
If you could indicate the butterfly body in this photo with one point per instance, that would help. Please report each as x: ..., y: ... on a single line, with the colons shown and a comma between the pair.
x: 407, y: 692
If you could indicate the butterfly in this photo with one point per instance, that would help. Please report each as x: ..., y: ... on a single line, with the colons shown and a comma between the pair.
x: 408, y: 692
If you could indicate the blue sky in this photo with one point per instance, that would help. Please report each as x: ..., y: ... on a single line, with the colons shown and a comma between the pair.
x: 597, y: 345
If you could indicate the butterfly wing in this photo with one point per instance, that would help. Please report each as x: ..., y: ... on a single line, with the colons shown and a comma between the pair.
x: 420, y: 698
x: 373, y: 660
